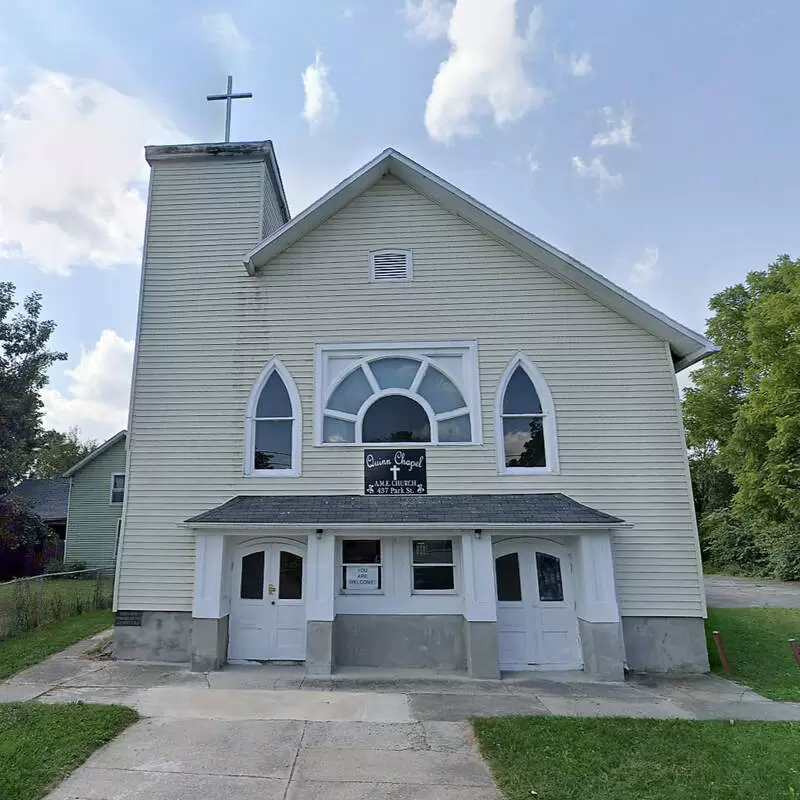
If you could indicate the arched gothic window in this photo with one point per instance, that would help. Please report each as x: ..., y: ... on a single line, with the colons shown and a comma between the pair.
x: 274, y: 424
x: 526, y: 425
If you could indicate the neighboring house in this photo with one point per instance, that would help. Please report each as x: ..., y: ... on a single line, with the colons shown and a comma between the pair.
x: 397, y: 431
x: 96, y: 493
x: 48, y: 497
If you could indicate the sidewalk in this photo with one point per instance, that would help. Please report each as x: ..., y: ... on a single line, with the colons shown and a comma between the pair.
x: 271, y: 732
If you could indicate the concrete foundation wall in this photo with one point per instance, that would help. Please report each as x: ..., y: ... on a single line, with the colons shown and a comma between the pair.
x: 483, y: 658
x: 384, y: 640
x: 603, y: 649
x: 665, y: 644
x: 162, y: 636
x: 319, y: 647
x: 209, y: 644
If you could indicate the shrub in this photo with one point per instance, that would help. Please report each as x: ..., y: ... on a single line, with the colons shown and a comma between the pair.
x: 55, y: 567
x: 729, y: 545
x: 781, y: 542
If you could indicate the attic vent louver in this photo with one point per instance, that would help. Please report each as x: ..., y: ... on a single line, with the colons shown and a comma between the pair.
x: 390, y: 265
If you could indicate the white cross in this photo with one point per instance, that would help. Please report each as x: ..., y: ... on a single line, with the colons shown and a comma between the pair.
x: 394, y: 470
x: 227, y: 97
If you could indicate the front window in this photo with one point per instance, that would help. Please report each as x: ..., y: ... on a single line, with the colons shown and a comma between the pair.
x: 526, y: 423
x: 395, y: 418
x: 432, y: 565
x: 404, y: 397
x: 362, y: 566
x: 117, y: 487
x: 274, y: 424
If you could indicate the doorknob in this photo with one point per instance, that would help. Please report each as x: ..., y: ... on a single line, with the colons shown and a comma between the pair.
x: 271, y: 589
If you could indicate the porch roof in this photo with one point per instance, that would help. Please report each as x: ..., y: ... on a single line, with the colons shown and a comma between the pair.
x: 449, y: 510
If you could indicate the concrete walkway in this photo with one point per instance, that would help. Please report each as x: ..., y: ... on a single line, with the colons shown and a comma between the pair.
x: 726, y: 592
x: 271, y: 732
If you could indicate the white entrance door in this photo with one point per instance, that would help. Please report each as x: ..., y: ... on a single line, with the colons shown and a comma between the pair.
x: 536, y: 618
x: 268, y: 615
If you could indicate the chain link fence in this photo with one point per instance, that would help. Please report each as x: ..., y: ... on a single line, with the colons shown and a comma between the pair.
x: 27, y: 603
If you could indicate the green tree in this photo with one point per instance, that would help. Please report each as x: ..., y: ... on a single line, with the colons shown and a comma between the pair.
x: 743, y: 413
x: 58, y: 451
x: 24, y: 361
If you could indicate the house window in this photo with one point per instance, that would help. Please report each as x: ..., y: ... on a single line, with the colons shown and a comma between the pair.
x: 273, y: 424
x: 362, y: 567
x: 395, y: 418
x: 390, y: 397
x: 117, y: 487
x: 526, y: 421
x: 432, y: 566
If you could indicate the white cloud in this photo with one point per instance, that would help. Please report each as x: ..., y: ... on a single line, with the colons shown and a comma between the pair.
x: 97, y: 398
x: 72, y: 172
x: 684, y: 378
x: 644, y: 270
x: 429, y: 19
x: 223, y: 34
x: 580, y: 65
x: 618, y: 132
x: 595, y: 170
x: 532, y: 162
x: 321, y: 103
x: 485, y: 74
x: 347, y: 13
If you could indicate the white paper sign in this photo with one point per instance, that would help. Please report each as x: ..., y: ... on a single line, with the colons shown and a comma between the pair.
x: 362, y: 578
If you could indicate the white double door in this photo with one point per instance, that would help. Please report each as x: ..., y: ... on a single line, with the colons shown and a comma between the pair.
x: 268, y: 616
x: 536, y: 617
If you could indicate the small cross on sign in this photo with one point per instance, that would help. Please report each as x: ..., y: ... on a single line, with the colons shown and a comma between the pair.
x: 394, y: 470
x: 228, y: 97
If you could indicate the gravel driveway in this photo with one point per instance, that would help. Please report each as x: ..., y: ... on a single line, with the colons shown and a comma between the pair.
x: 725, y: 592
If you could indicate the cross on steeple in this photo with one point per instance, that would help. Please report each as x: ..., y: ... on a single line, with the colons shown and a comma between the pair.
x: 227, y: 97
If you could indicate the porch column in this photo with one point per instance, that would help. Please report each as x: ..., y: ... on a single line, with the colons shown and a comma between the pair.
x: 211, y: 604
x: 480, y: 605
x: 320, y: 585
x: 598, y: 612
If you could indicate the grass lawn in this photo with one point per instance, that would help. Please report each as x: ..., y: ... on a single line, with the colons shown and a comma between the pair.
x: 41, y: 744
x: 558, y: 758
x: 756, y: 641
x: 19, y: 652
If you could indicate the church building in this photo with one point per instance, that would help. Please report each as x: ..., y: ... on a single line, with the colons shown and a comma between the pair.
x: 396, y: 431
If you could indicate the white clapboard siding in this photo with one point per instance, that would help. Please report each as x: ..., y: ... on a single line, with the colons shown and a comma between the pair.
x: 207, y: 329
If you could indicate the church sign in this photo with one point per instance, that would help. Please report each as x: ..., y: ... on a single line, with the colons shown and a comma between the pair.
x: 395, y: 472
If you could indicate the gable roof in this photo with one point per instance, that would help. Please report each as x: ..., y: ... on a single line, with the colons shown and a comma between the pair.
x: 48, y: 497
x: 686, y: 345
x: 96, y: 452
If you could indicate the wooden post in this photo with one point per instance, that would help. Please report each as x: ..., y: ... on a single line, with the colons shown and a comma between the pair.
x: 795, y: 650
x: 723, y: 653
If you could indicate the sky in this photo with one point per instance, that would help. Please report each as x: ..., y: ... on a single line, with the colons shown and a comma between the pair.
x: 655, y: 142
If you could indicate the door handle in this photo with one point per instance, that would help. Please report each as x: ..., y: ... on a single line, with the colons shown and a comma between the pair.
x: 271, y: 590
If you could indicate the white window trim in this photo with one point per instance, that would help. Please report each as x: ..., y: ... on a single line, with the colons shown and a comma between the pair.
x: 548, y: 419
x: 340, y: 563
x: 456, y: 577
x: 393, y: 250
x: 275, y: 365
x: 470, y: 389
x: 111, y: 500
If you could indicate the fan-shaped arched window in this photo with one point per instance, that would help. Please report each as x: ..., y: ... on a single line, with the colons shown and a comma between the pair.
x: 273, y: 424
x: 396, y: 398
x: 526, y: 421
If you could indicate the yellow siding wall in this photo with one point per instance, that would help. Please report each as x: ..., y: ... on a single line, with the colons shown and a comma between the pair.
x: 207, y: 329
